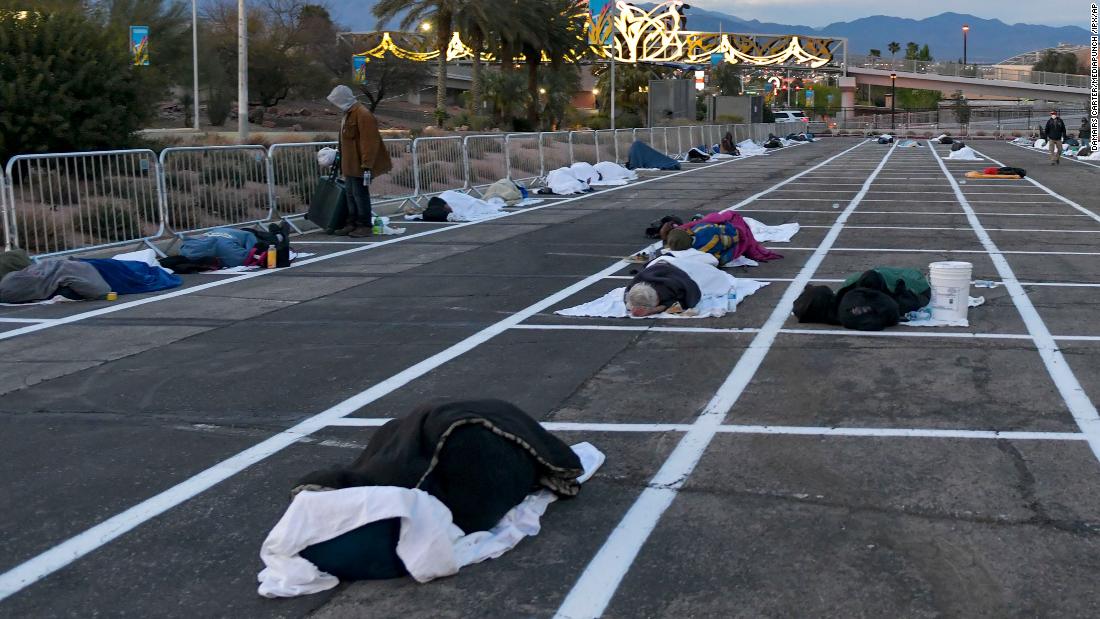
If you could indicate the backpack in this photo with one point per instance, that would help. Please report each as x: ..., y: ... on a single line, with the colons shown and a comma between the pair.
x: 276, y: 235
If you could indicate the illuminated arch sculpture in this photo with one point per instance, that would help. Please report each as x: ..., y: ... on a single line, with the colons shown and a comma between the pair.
x: 638, y: 35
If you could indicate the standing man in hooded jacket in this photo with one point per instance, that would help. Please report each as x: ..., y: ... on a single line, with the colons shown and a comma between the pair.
x: 1056, y: 132
x: 363, y: 156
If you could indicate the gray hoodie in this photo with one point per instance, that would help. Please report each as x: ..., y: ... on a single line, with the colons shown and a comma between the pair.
x: 342, y: 97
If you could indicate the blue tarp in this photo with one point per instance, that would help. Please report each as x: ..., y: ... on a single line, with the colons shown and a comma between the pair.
x: 643, y: 156
x: 131, y: 277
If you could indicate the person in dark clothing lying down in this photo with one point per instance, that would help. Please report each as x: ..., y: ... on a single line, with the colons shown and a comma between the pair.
x: 658, y: 287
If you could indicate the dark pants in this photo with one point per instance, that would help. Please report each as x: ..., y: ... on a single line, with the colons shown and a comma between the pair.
x: 358, y: 198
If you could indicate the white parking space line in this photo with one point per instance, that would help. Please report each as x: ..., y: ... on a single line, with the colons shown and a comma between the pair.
x: 1073, y: 394
x: 580, y: 426
x: 596, y: 586
x: 1054, y: 194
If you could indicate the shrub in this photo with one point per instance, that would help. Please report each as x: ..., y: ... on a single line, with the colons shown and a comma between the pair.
x: 733, y: 119
x: 224, y: 173
x: 66, y: 85
x: 522, y: 125
x: 218, y: 107
x: 599, y: 122
x: 628, y: 120
x: 108, y: 222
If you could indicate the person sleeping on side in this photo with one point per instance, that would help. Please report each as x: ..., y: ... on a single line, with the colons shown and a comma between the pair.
x: 723, y: 234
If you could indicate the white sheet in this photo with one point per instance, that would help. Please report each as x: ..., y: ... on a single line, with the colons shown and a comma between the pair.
x: 563, y: 182
x: 772, y: 234
x: 584, y: 172
x: 613, y: 173
x: 714, y: 284
x: 146, y: 256
x: 964, y: 154
x: 748, y: 147
x: 248, y: 269
x: 465, y: 207
x: 430, y: 545
x: 51, y: 301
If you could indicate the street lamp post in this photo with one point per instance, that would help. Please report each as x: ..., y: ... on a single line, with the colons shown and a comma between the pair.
x: 893, y: 97
x: 242, y: 73
x: 966, y: 29
x: 195, y: 57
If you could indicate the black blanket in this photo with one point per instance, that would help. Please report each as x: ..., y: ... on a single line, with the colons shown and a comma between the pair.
x: 672, y: 285
x: 480, y: 458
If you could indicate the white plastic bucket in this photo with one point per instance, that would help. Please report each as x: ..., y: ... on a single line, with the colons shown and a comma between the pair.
x: 950, y: 289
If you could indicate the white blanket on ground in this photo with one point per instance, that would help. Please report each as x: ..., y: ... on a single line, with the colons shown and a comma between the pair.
x: 429, y: 545
x: 702, y: 268
x: 774, y: 234
x: 964, y: 154
x: 613, y: 173
x: 563, y: 182
x: 748, y: 147
x: 585, y: 172
x: 465, y: 207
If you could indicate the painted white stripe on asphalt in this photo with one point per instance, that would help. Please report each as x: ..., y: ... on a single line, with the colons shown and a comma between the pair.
x: 1073, y: 394
x: 592, y: 593
x: 581, y: 426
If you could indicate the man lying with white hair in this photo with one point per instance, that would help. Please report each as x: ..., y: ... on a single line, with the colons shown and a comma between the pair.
x: 659, y: 287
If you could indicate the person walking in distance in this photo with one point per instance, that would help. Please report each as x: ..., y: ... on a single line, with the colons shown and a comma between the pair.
x: 1056, y: 132
x: 363, y: 156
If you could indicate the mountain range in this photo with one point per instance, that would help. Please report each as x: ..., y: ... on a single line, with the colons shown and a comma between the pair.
x: 990, y: 40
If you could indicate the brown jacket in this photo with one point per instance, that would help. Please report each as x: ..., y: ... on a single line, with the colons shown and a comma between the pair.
x: 361, y: 146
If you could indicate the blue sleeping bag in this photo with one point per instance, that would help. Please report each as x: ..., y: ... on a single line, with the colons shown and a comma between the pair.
x: 131, y: 277
x: 229, y: 245
x: 643, y: 156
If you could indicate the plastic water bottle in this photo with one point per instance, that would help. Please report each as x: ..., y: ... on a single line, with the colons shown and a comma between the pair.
x: 924, y: 313
x: 731, y: 300
x: 378, y: 225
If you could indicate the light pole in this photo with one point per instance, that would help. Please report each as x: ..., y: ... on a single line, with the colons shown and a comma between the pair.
x: 966, y: 29
x: 195, y: 57
x: 242, y: 73
x: 893, y: 97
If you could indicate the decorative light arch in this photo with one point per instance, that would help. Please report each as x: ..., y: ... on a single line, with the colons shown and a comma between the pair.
x: 638, y: 35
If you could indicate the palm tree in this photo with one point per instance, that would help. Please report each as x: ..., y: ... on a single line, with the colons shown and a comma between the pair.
x: 559, y: 37
x: 477, y: 20
x: 894, y: 48
x: 439, y: 15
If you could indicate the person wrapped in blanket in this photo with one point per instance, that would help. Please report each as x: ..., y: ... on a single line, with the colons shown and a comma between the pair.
x: 661, y: 286
x: 724, y: 234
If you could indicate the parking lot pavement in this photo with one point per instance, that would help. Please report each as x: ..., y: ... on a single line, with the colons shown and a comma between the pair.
x: 756, y: 466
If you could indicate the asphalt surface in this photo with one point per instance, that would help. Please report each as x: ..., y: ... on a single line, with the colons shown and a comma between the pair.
x: 790, y: 470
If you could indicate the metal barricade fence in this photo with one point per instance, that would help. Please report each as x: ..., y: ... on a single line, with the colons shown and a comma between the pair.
x: 206, y: 187
x: 438, y: 165
x: 555, y: 152
x: 605, y: 145
x: 524, y: 157
x: 643, y: 135
x: 486, y: 162
x: 583, y: 147
x: 70, y: 202
x: 4, y: 226
x: 623, y: 139
x: 399, y: 184
x: 294, y: 175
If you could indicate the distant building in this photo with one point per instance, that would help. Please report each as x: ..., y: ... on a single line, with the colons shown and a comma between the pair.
x: 1026, y: 60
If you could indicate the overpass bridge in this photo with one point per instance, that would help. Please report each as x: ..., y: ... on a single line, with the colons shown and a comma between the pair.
x: 975, y: 81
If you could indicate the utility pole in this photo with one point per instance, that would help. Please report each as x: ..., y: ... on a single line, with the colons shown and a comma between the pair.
x: 612, y: 125
x: 195, y: 57
x: 242, y: 73
x: 893, y: 97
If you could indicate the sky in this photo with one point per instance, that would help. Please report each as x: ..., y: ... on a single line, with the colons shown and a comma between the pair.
x: 818, y: 13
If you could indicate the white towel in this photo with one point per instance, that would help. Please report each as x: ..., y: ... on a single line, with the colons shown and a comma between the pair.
x: 465, y: 207
x: 748, y: 147
x: 613, y: 174
x: 563, y: 182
